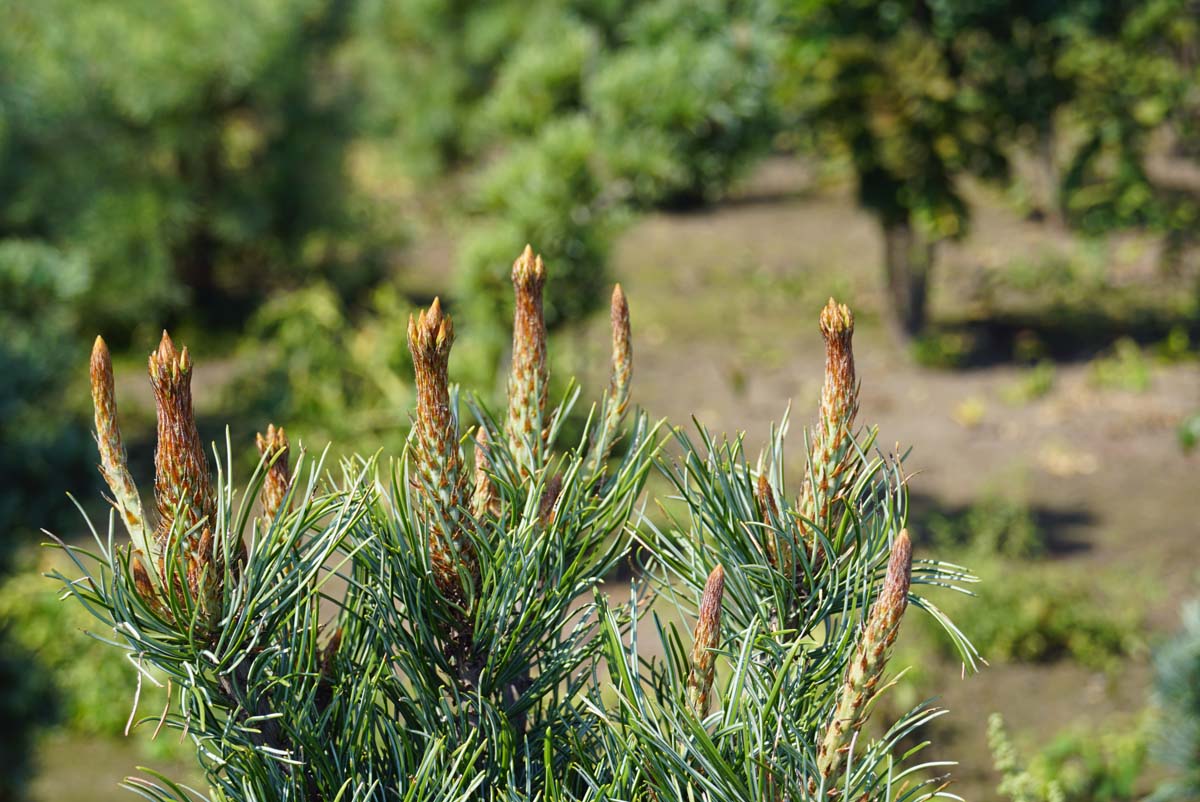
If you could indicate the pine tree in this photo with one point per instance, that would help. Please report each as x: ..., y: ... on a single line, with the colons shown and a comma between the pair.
x: 433, y: 627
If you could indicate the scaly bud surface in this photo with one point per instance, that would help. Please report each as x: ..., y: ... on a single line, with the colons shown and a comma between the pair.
x: 274, y: 448
x: 181, y: 478
x: 549, y: 498
x: 182, y: 484
x: 705, y: 640
x: 442, y: 482
x: 616, y: 401
x: 114, y: 466
x: 484, y: 499
x: 779, y: 552
x: 528, y: 381
x: 869, y: 661
x: 832, y: 457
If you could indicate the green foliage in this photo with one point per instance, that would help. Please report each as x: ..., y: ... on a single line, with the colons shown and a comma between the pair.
x: 1026, y: 614
x: 45, y: 442
x: 894, y: 94
x: 203, y: 165
x: 92, y: 684
x: 1079, y: 765
x: 1176, y: 347
x: 945, y: 350
x: 994, y: 525
x: 781, y: 676
x: 1035, y: 383
x: 427, y: 69
x: 884, y: 91
x: 1189, y: 432
x: 342, y: 664
x: 27, y: 702
x: 330, y: 376
x: 547, y: 191
x: 44, y: 434
x: 560, y: 116
x: 543, y: 77
x: 1130, y: 75
x: 1126, y: 368
x: 683, y: 104
x: 1176, y: 743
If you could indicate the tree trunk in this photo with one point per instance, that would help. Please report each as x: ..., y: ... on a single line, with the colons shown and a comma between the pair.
x: 908, y: 257
x: 1047, y: 146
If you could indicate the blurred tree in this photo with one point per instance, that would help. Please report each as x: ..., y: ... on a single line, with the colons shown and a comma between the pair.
x: 192, y: 160
x: 545, y: 190
x: 44, y: 443
x: 1134, y: 73
x: 682, y: 104
x: 44, y: 435
x: 914, y: 96
x: 887, y: 89
x: 595, y: 110
x: 428, y: 67
x: 331, y: 377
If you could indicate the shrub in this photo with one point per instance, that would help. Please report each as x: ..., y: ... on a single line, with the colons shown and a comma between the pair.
x: 426, y: 629
x: 1077, y: 766
x: 202, y: 166
x: 946, y: 350
x: 44, y: 443
x: 993, y: 525
x: 1126, y: 368
x: 546, y: 190
x: 1177, y: 699
x: 336, y: 377
x: 682, y: 107
x: 92, y: 684
x: 1036, y: 383
x: 543, y: 77
x: 44, y: 435
x: 1026, y: 614
x: 27, y: 702
x: 1189, y: 432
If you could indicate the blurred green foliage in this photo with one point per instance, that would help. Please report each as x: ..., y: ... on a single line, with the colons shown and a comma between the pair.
x: 912, y: 97
x: 325, y: 376
x: 189, y: 161
x: 1189, y: 431
x: 46, y: 446
x: 92, y: 682
x: 546, y: 191
x: 1125, y: 367
x: 602, y: 110
x: 943, y: 349
x: 1177, y: 699
x: 995, y: 524
x: 1035, y: 382
x: 1078, y: 765
x: 1025, y: 612
x: 1111, y: 763
x: 27, y: 702
x: 684, y: 103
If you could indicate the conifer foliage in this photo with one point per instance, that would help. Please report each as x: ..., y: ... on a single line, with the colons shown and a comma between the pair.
x: 433, y: 627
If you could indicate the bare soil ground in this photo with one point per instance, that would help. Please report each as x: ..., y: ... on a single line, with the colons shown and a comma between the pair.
x: 724, y: 305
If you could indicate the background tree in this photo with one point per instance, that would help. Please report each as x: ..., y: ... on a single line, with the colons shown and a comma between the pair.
x: 888, y: 91
x: 199, y: 168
